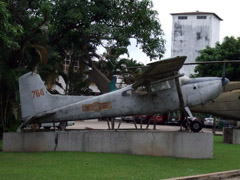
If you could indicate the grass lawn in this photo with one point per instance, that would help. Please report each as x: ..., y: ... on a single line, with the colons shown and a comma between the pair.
x: 80, y: 165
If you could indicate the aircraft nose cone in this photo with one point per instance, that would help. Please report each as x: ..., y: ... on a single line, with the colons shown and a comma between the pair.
x: 225, y: 81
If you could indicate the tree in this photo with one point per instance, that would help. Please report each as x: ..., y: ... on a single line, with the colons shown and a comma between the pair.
x: 104, y: 70
x: 8, y: 31
x: 107, y: 23
x: 22, y: 45
x: 111, y: 64
x: 228, y: 50
x: 81, y: 27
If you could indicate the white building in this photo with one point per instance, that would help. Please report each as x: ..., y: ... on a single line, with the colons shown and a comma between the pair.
x: 192, y: 32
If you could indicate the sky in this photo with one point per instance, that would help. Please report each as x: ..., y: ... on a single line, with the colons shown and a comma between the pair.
x: 228, y: 10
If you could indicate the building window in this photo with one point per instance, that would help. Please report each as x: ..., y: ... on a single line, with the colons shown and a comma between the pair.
x: 76, y: 63
x: 198, y: 36
x: 67, y: 62
x: 201, y: 17
x: 182, y: 17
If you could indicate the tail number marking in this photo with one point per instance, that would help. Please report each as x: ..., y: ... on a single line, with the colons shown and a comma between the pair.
x: 38, y: 93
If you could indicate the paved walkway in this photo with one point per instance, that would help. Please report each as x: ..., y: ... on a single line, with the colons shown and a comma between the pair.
x: 230, y: 175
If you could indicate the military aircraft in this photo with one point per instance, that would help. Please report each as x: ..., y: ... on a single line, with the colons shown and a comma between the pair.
x: 160, y: 88
x: 226, y: 106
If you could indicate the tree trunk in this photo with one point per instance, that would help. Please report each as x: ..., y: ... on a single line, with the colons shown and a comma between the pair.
x: 5, y: 114
x: 2, y: 114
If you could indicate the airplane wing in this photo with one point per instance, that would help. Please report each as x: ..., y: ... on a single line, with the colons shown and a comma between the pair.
x: 165, y: 70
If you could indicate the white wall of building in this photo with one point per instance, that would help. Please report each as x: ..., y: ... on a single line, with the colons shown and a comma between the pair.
x: 191, y: 35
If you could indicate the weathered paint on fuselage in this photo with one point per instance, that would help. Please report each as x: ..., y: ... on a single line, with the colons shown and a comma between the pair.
x: 116, y: 104
x: 226, y: 106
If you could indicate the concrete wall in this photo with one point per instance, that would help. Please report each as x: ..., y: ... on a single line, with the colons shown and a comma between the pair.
x: 236, y: 136
x: 227, y: 135
x: 174, y: 144
x: 238, y: 124
x: 231, y: 135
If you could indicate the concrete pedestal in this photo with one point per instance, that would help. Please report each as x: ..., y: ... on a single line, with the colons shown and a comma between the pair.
x: 238, y: 123
x: 174, y: 144
x: 236, y: 136
x: 227, y: 135
x: 231, y: 135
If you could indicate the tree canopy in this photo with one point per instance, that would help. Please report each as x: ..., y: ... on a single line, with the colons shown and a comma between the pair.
x: 229, y: 49
x: 86, y: 25
x: 8, y: 31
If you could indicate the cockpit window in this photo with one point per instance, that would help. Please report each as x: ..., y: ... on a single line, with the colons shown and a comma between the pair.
x: 159, y: 86
x: 141, y: 90
x: 184, y: 80
x: 127, y: 93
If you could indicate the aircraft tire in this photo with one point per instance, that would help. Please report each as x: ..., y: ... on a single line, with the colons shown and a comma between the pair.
x: 196, y: 126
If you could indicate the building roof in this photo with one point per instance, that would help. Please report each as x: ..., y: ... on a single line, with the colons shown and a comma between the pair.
x: 197, y: 13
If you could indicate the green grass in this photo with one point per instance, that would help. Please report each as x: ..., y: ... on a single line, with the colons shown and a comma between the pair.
x: 80, y: 165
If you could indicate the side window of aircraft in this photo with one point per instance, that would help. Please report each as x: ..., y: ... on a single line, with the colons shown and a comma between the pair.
x: 184, y: 80
x: 159, y: 86
x: 141, y: 90
x: 127, y: 93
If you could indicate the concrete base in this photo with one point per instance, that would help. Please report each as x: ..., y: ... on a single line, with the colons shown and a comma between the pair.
x: 174, y: 144
x: 227, y: 135
x: 231, y: 135
x: 236, y: 136
x: 238, y: 124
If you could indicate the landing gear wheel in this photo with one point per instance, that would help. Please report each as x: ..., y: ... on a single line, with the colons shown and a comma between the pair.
x: 195, y: 126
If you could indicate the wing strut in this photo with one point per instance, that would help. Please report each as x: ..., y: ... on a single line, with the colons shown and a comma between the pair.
x: 179, y: 91
x: 195, y: 126
x: 185, y: 110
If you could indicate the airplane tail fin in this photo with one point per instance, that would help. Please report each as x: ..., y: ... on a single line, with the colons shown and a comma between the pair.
x: 34, y: 96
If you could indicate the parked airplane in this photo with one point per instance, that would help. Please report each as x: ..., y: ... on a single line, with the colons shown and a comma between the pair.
x: 227, y: 105
x: 159, y: 89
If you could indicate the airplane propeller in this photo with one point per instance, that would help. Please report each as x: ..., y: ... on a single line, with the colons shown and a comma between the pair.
x: 224, y: 79
x: 224, y: 71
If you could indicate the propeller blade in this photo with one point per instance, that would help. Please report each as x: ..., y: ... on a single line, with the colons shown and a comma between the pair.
x: 224, y: 72
x: 224, y: 79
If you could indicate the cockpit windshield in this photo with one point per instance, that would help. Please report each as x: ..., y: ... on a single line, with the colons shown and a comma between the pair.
x: 184, y: 80
x: 159, y: 86
x: 141, y: 90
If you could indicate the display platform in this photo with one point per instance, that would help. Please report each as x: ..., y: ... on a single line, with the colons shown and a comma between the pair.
x: 145, y: 142
x: 231, y: 135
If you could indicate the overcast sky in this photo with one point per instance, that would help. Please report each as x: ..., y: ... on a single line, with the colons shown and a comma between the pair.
x: 228, y: 10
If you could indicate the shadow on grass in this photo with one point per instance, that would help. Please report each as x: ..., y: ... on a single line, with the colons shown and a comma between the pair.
x: 1, y: 141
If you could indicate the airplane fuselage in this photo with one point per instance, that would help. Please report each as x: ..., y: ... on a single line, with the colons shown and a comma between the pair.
x: 128, y: 101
